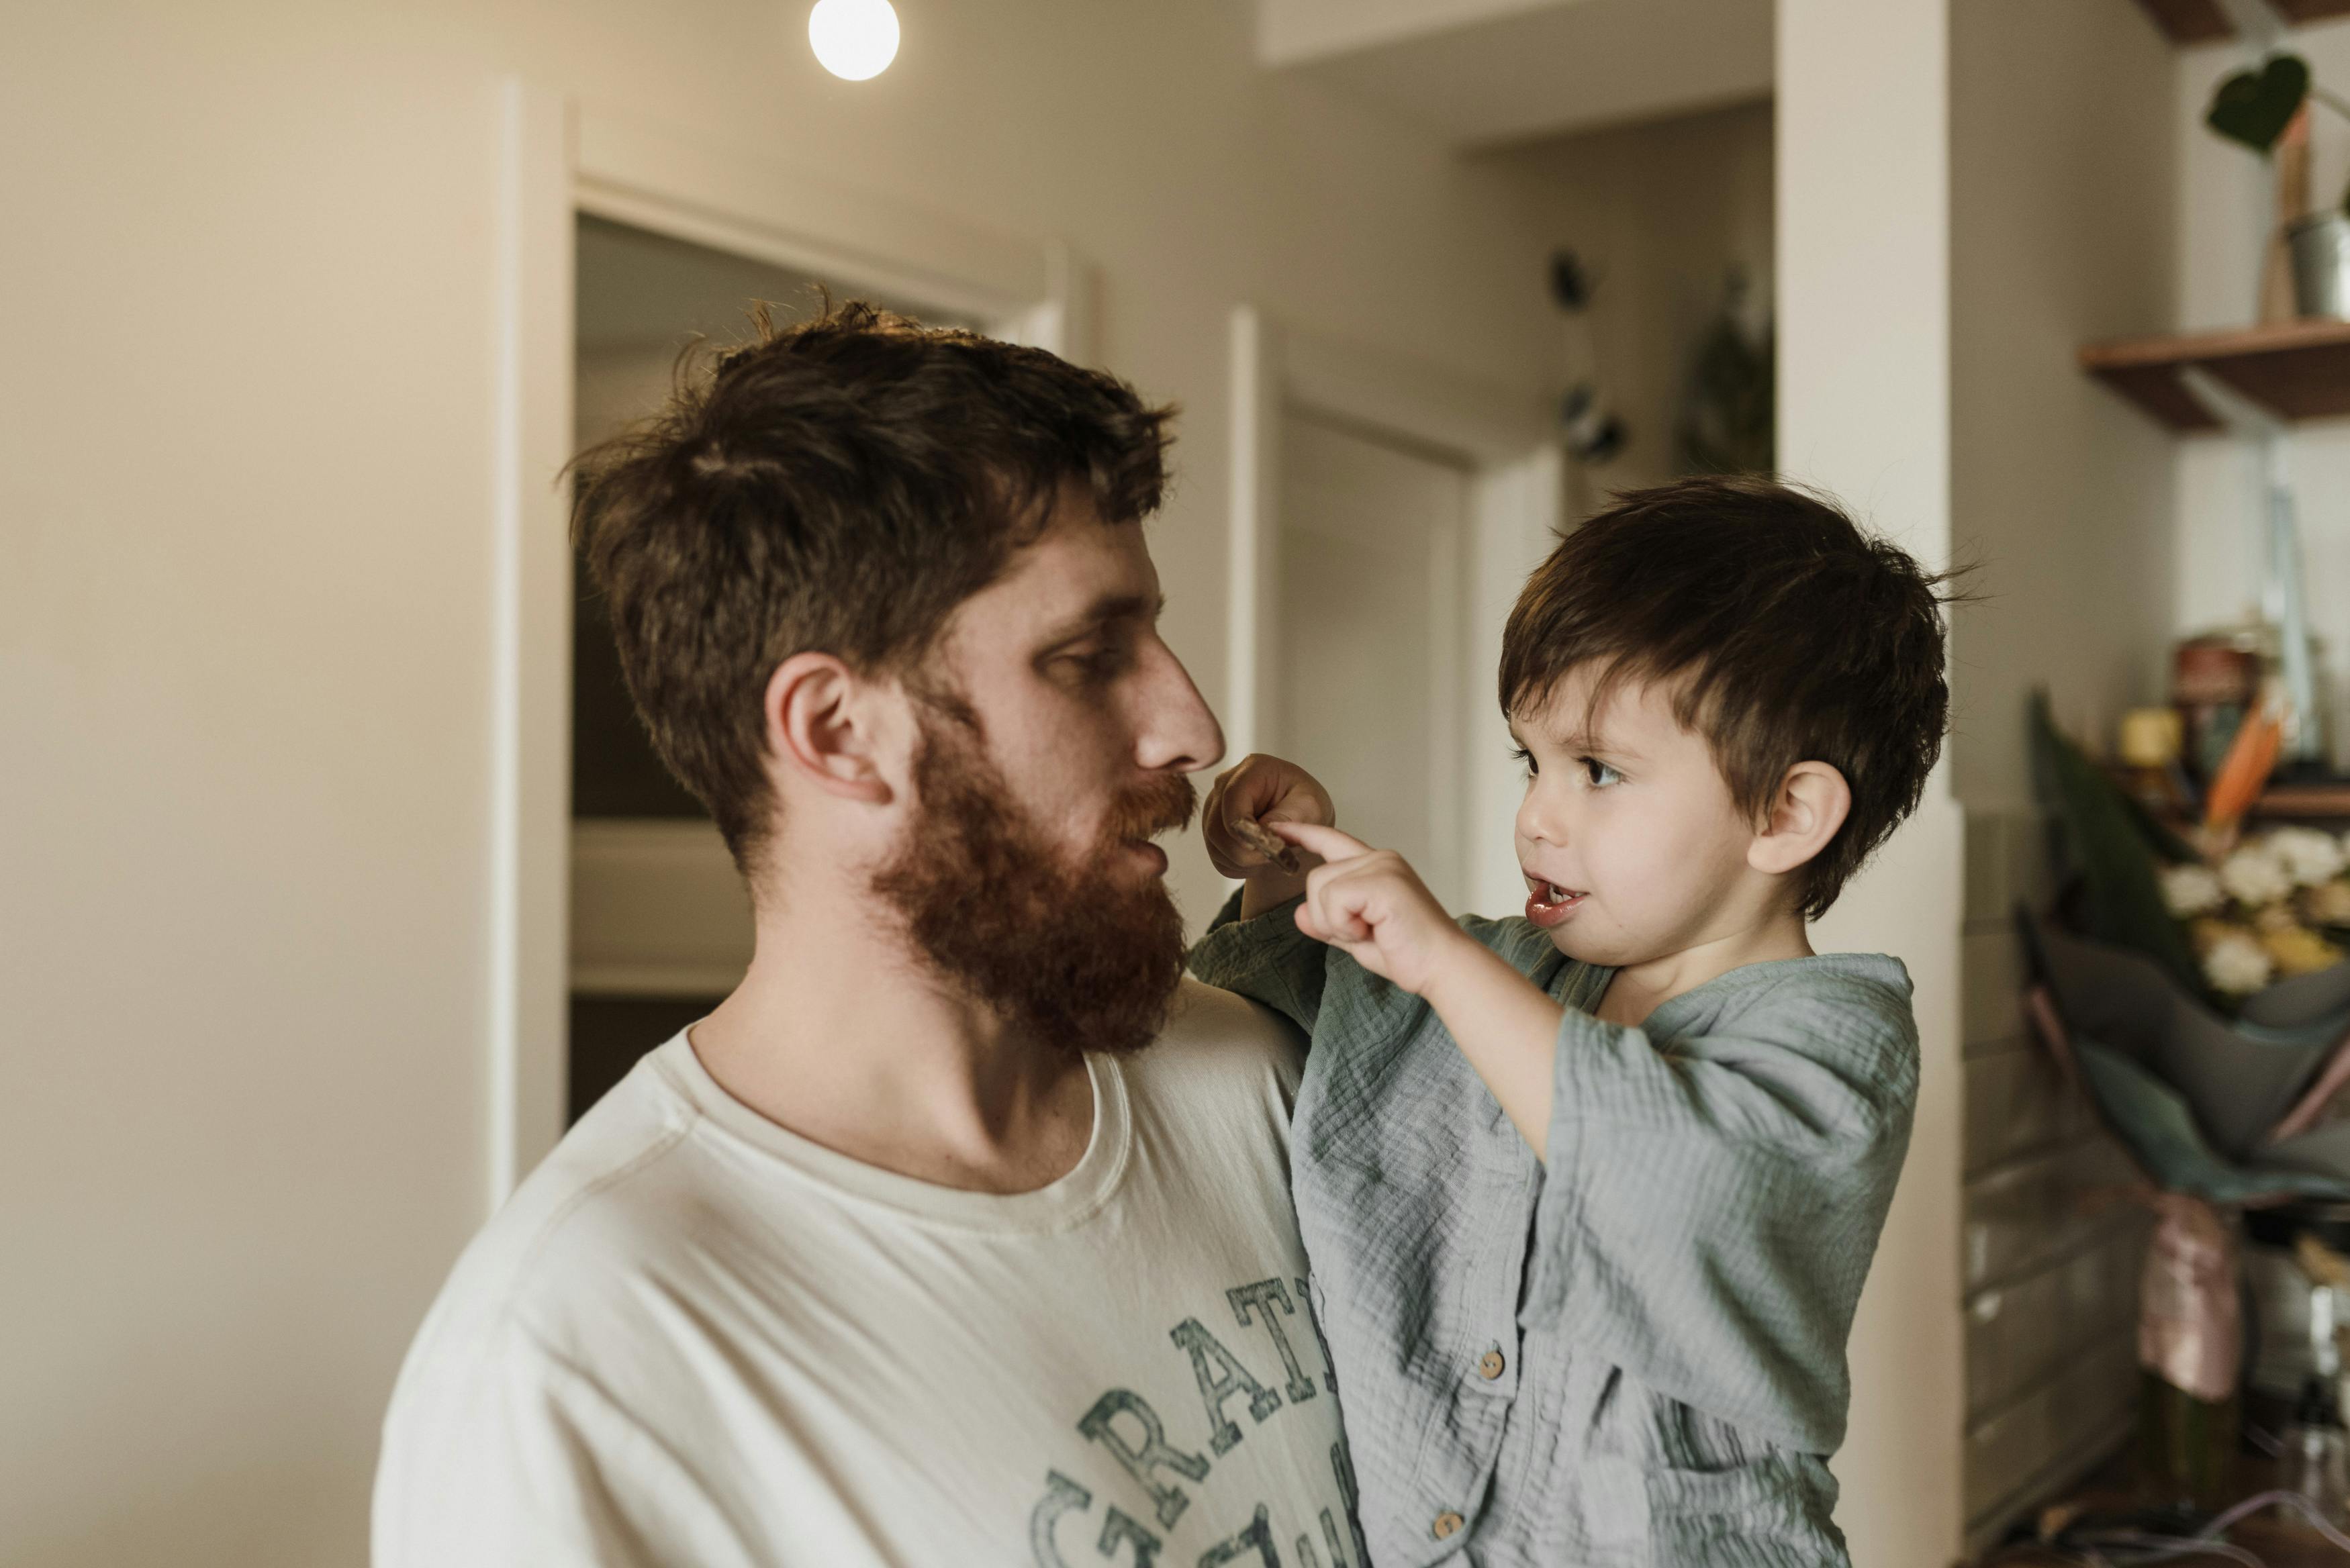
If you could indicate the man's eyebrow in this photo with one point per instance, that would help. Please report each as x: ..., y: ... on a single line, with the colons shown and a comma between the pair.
x: 1104, y: 611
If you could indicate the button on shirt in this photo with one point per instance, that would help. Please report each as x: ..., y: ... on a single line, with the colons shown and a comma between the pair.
x: 1638, y: 1355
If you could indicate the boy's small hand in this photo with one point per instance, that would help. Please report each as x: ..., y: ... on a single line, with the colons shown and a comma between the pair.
x: 1372, y: 906
x: 1260, y: 790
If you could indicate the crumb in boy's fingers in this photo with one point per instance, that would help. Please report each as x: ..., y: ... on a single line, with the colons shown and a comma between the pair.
x: 1261, y: 838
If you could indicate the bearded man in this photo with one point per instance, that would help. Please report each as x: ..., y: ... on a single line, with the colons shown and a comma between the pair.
x: 959, y: 1233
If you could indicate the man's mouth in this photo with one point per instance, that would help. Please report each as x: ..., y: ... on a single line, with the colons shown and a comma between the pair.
x: 1548, y: 904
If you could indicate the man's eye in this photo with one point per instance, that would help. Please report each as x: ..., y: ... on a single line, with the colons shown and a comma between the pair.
x: 1525, y: 760
x: 1598, y: 774
x: 1100, y: 664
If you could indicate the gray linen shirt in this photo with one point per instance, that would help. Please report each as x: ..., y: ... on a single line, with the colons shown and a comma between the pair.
x: 1637, y: 1357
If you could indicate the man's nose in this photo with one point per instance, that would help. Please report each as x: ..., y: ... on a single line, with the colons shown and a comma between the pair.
x: 1177, y: 733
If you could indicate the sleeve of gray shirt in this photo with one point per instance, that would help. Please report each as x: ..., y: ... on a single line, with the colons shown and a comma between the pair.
x: 1717, y: 1180
x: 1267, y: 959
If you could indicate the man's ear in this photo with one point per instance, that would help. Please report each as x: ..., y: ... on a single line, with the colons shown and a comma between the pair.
x: 1810, y: 804
x: 825, y: 729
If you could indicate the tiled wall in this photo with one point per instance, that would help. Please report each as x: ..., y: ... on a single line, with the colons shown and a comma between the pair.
x: 2052, y: 1256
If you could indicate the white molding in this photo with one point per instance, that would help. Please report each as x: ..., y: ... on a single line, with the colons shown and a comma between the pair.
x: 672, y: 184
x: 1471, y: 422
x: 1253, y: 593
x: 557, y: 159
x: 530, y: 700
x: 1508, y: 443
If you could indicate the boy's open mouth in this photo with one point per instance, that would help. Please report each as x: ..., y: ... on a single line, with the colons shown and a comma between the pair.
x: 1548, y: 904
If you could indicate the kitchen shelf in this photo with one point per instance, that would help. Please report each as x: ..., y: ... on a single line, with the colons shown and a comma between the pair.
x: 2326, y: 799
x: 2201, y: 21
x: 2296, y: 369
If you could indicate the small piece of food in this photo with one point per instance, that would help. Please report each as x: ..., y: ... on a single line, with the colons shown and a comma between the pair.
x: 2235, y: 962
x: 2299, y: 951
x: 1266, y: 842
x: 2191, y: 889
x: 2327, y: 905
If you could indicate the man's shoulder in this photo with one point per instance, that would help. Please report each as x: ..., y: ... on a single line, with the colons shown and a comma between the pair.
x: 625, y: 1189
x: 1217, y: 1047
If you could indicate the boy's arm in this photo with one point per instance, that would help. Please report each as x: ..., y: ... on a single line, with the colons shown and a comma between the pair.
x: 1265, y: 959
x: 1369, y: 904
x: 1709, y: 1214
x: 1710, y: 1209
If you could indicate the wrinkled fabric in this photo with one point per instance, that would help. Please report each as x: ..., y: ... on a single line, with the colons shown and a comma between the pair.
x: 1637, y: 1357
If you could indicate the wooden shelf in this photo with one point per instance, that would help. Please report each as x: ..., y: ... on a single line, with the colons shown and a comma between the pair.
x: 2326, y: 799
x: 2201, y: 21
x: 2298, y: 371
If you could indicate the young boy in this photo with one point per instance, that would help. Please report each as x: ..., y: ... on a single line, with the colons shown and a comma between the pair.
x: 1597, y: 1315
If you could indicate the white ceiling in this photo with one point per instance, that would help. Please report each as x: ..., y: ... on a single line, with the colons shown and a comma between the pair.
x: 1483, y: 73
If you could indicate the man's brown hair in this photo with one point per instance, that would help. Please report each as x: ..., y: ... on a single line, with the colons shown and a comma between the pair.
x: 1786, y: 634
x: 839, y: 485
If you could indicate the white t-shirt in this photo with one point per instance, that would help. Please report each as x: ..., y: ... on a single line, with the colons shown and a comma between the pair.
x: 695, y: 1339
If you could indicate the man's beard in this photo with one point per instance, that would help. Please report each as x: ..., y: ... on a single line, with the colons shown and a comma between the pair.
x: 1074, y: 956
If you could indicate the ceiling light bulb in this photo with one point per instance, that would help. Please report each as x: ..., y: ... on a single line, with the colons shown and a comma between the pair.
x: 854, y: 39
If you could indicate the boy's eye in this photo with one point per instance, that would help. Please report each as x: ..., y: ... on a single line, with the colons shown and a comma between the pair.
x: 1526, y: 758
x: 1598, y: 774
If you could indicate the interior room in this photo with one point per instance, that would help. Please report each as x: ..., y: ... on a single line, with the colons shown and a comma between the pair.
x: 342, y: 877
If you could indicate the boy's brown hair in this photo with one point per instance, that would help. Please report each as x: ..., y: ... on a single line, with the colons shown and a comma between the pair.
x: 840, y: 485
x: 1786, y: 634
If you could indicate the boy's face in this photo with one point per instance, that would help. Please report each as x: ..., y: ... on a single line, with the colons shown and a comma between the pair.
x: 1631, y: 845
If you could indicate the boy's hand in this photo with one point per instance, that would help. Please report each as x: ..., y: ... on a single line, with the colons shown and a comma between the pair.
x: 1256, y: 792
x: 1372, y: 906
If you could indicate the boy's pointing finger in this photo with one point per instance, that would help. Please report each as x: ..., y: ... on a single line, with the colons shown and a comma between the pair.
x: 1328, y: 842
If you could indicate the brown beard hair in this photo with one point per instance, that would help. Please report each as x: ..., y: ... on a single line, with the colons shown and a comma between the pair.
x: 1060, y: 952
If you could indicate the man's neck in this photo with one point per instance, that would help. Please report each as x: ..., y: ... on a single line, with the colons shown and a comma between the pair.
x: 1639, y: 989
x: 840, y: 1034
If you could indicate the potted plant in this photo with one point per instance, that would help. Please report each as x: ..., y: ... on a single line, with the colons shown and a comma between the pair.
x: 2266, y: 105
x: 2224, y: 978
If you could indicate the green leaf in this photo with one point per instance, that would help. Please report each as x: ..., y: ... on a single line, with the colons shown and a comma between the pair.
x: 2254, y: 107
x: 2107, y: 833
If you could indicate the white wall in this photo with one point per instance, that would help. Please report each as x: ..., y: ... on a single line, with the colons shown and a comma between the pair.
x: 1660, y: 212
x: 245, y: 558
x: 2222, y: 216
x: 2063, y: 194
x: 1864, y: 409
x: 2063, y: 186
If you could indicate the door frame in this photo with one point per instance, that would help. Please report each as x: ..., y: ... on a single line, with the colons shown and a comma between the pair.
x: 556, y: 159
x: 1506, y: 441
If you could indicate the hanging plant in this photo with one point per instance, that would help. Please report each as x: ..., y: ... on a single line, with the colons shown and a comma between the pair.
x: 1732, y: 425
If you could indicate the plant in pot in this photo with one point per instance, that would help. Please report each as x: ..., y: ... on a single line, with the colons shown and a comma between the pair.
x: 2265, y: 108
x: 2223, y: 977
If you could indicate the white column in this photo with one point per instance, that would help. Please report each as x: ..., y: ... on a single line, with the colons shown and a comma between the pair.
x: 1864, y: 412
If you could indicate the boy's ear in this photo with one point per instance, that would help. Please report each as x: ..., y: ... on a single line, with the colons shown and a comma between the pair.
x: 826, y: 729
x: 1811, y: 803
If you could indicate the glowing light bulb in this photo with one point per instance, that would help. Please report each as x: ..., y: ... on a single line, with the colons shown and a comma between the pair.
x: 854, y: 39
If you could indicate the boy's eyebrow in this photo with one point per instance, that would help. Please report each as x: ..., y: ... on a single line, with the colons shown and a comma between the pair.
x: 1584, y: 742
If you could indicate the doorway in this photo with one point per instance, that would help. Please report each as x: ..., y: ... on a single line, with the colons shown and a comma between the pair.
x: 700, y: 214
x: 1385, y: 514
x: 659, y: 922
x: 1370, y: 689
